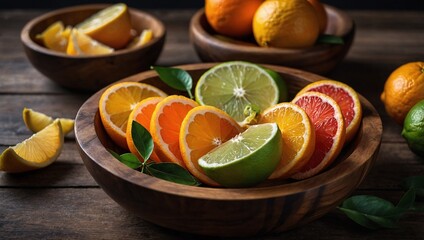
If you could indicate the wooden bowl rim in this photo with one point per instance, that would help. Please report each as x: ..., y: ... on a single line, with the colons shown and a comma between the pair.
x: 26, y: 39
x: 204, y: 36
x: 87, y: 136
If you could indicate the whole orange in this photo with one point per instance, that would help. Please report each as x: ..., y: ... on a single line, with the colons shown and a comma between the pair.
x: 232, y: 18
x: 403, y: 89
x: 285, y: 24
x: 321, y: 14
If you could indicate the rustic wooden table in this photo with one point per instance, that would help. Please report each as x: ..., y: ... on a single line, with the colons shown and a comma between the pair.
x: 63, y: 201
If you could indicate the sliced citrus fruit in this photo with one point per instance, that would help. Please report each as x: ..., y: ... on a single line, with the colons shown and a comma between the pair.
x: 246, y: 159
x: 81, y: 44
x: 203, y: 129
x: 327, y: 118
x: 145, y: 36
x: 54, y: 37
x: 37, y: 121
x: 232, y: 86
x: 116, y: 104
x: 347, y: 99
x: 38, y: 151
x: 298, y: 137
x: 111, y: 26
x: 165, y: 127
x: 142, y: 113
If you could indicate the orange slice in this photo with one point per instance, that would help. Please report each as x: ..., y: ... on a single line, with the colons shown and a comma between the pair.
x: 55, y: 37
x: 346, y: 97
x: 298, y: 137
x: 165, y: 127
x: 142, y: 113
x: 203, y: 129
x: 330, y: 131
x: 116, y: 104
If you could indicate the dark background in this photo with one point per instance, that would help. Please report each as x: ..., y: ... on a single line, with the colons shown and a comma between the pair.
x: 155, y: 4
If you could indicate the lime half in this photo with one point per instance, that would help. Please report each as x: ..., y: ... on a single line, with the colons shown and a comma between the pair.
x: 247, y: 159
x: 232, y: 86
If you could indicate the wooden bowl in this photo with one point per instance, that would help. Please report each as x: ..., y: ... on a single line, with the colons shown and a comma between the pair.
x: 320, y: 58
x: 274, y: 206
x: 91, y: 72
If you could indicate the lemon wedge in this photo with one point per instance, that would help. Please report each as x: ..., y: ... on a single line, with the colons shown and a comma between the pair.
x: 37, y: 121
x: 38, y: 151
x: 82, y: 44
x: 145, y: 37
x: 55, y: 37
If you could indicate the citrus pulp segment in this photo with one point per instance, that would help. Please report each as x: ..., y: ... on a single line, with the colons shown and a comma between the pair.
x: 142, y: 113
x: 37, y: 121
x: 81, y: 44
x: 116, y: 104
x: 145, y: 36
x: 203, y: 129
x: 55, y: 37
x: 38, y: 151
x: 347, y: 99
x: 232, y: 86
x: 298, y: 135
x: 165, y: 127
x: 110, y: 26
x: 330, y: 131
x: 247, y: 159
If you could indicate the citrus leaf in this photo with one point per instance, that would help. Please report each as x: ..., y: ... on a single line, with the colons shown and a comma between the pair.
x: 175, y: 78
x: 407, y: 201
x: 171, y: 172
x: 142, y: 140
x: 359, y: 218
x: 128, y: 159
x: 416, y: 182
x: 330, y: 39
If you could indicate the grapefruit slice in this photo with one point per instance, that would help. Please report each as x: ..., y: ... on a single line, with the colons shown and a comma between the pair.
x: 330, y: 131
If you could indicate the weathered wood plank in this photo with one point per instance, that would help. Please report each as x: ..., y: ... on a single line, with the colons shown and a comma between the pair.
x: 88, y: 213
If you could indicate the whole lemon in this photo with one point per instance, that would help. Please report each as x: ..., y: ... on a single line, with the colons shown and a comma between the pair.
x: 403, y: 89
x: 286, y: 24
x: 413, y: 128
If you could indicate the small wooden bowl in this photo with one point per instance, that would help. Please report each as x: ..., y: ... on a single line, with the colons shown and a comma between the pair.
x: 274, y: 206
x: 91, y: 72
x: 320, y: 58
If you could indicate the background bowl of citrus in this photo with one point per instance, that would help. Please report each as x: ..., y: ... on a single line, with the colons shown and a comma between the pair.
x: 232, y: 44
x: 92, y: 72
x: 272, y: 206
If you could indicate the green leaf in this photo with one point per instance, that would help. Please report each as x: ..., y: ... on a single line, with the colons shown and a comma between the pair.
x: 171, y: 172
x: 359, y: 218
x: 142, y: 140
x: 330, y: 39
x: 175, y: 78
x: 416, y: 182
x: 128, y: 159
x: 407, y: 201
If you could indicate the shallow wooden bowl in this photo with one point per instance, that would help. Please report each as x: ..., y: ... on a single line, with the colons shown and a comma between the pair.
x: 91, y: 72
x: 274, y: 206
x: 320, y: 58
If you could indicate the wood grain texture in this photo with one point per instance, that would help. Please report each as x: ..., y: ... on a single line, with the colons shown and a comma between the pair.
x: 320, y: 58
x: 64, y: 202
x: 274, y: 207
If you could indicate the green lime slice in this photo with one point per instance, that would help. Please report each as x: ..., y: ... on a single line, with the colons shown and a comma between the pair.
x: 232, y: 86
x: 247, y: 159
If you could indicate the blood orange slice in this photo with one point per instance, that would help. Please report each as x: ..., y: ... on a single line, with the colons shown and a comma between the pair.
x: 142, y: 113
x: 165, y: 127
x: 330, y: 131
x: 346, y: 97
x: 298, y: 137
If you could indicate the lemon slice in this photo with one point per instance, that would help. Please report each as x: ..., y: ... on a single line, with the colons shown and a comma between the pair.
x: 111, y: 26
x: 55, y: 37
x: 81, y: 44
x: 38, y: 151
x: 37, y: 121
x: 145, y: 36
